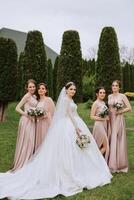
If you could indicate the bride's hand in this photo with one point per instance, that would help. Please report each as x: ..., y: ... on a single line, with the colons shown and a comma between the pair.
x: 78, y: 131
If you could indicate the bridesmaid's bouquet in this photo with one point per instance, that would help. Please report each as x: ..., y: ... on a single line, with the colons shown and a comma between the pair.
x: 118, y: 106
x: 83, y: 141
x: 31, y: 112
x: 39, y: 112
x: 104, y: 112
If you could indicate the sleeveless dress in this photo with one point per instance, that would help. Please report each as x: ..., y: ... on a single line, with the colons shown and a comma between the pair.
x: 42, y: 125
x: 101, y: 129
x: 60, y: 166
x: 118, y: 159
x: 26, y: 137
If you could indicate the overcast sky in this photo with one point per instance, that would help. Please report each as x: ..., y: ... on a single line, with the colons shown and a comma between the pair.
x: 53, y: 17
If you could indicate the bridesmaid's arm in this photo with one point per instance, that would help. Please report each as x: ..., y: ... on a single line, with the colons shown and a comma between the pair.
x: 93, y: 114
x: 127, y: 104
x: 21, y: 104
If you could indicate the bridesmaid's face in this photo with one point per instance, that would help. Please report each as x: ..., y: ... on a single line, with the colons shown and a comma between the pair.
x: 115, y: 87
x: 42, y: 90
x: 71, y: 91
x: 101, y: 94
x: 31, y: 88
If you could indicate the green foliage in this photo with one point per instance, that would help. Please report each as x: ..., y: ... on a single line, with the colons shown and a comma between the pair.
x: 20, y: 76
x: 108, y: 62
x: 126, y: 77
x: 88, y: 87
x: 50, y: 77
x: 70, y: 62
x: 88, y: 79
x: 35, y: 62
x: 8, y: 70
x: 55, y: 78
x: 88, y: 67
x: 132, y: 78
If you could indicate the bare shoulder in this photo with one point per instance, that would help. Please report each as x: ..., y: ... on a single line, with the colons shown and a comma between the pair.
x: 95, y: 103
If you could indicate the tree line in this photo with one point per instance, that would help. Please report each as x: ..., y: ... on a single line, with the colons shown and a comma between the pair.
x: 69, y: 66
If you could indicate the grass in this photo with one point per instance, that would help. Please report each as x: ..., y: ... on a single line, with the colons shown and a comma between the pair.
x: 122, y: 186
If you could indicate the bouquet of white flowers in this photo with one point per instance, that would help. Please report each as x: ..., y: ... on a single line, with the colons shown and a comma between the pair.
x: 83, y: 141
x: 118, y: 106
x: 104, y: 112
x: 31, y: 112
x: 39, y: 112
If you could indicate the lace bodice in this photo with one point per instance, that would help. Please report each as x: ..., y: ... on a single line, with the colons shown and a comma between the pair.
x: 42, y: 104
x: 31, y: 103
x: 100, y: 106
x: 73, y: 107
x: 115, y: 99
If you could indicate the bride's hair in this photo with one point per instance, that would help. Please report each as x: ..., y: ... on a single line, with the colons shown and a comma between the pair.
x: 69, y: 84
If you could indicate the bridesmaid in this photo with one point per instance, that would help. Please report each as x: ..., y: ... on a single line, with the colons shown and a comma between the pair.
x: 26, y: 131
x: 43, y: 122
x: 99, y: 113
x: 118, y: 159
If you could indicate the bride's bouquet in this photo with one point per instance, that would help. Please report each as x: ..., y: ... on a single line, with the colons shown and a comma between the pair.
x: 104, y: 112
x: 39, y: 112
x: 83, y: 141
x: 31, y: 112
x: 118, y: 106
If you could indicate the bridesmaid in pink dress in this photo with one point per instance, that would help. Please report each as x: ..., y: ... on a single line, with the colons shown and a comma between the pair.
x: 118, y: 159
x: 26, y: 131
x: 99, y: 113
x: 43, y: 122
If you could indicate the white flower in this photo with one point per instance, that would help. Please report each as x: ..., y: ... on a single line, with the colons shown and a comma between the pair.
x: 83, y: 141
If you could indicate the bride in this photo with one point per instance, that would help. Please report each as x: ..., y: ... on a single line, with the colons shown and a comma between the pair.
x: 60, y: 166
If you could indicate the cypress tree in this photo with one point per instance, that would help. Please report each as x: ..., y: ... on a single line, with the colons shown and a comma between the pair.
x: 132, y: 78
x: 8, y: 74
x: 50, y: 77
x: 85, y: 67
x: 70, y: 62
x: 20, y: 76
x: 108, y: 61
x: 35, y: 65
x: 55, y: 71
x: 126, y: 78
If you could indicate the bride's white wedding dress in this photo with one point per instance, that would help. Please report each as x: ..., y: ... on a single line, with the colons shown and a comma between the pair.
x: 59, y: 166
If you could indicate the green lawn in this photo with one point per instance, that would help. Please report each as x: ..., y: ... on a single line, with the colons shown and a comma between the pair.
x: 122, y: 186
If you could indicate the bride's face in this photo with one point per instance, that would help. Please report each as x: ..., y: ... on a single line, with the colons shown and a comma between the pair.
x: 71, y: 91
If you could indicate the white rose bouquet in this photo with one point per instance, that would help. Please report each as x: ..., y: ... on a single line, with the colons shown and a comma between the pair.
x: 118, y: 106
x: 104, y: 112
x: 31, y: 112
x: 83, y: 141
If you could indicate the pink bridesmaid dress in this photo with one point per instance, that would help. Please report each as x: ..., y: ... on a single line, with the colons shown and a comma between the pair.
x: 100, y: 129
x: 118, y: 159
x: 26, y: 134
x: 43, y: 124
